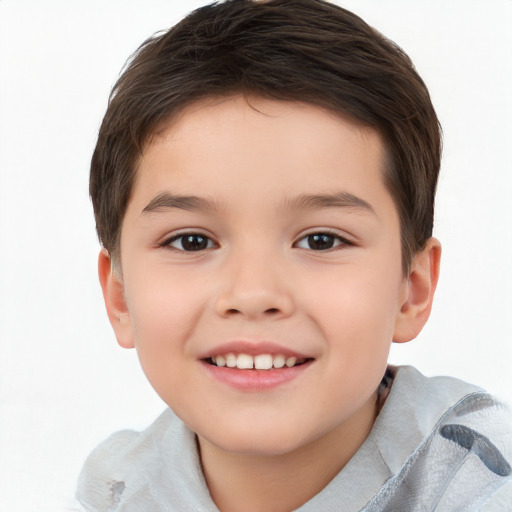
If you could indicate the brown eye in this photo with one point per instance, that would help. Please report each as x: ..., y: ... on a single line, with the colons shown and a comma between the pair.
x: 321, y: 242
x: 190, y: 242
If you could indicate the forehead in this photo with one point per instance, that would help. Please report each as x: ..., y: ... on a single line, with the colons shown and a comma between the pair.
x: 274, y: 138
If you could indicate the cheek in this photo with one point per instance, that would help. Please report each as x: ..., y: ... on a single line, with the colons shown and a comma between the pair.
x: 360, y: 299
x: 163, y: 313
x: 356, y: 313
x: 357, y: 324
x: 161, y: 305
x: 161, y: 323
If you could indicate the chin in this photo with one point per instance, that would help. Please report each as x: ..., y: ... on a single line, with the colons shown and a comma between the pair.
x: 254, y: 441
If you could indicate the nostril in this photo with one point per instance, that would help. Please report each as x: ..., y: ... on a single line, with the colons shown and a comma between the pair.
x: 272, y: 311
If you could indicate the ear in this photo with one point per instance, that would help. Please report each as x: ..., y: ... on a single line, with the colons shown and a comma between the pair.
x: 419, y: 288
x: 115, y: 302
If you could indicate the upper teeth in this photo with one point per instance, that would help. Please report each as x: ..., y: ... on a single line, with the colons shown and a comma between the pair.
x: 259, y: 362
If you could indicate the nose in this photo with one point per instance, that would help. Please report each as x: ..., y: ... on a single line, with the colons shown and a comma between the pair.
x: 254, y: 286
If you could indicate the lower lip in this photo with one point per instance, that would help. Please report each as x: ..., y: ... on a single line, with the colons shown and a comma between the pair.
x: 255, y: 380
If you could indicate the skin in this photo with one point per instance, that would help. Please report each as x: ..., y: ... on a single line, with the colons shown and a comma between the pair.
x: 260, y: 279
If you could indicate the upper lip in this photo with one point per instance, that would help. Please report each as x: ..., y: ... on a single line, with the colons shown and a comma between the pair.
x: 253, y: 348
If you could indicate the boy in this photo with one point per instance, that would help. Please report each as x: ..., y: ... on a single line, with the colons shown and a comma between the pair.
x: 263, y: 186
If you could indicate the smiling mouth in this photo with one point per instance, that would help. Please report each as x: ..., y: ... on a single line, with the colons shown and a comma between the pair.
x: 258, y: 362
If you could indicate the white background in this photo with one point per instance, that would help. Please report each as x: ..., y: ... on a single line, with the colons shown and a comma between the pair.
x: 64, y: 383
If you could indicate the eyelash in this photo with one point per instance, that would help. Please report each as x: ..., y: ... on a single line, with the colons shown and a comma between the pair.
x: 183, y: 236
x: 336, y: 239
x: 204, y: 242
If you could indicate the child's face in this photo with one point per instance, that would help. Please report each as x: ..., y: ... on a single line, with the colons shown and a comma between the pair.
x: 264, y: 231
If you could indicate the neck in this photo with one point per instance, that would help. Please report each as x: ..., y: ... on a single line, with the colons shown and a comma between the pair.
x: 284, y: 482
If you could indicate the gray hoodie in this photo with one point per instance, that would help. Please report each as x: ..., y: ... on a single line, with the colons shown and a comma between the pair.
x: 438, y: 444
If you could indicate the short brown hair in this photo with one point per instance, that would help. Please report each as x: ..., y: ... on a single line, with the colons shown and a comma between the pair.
x: 293, y: 50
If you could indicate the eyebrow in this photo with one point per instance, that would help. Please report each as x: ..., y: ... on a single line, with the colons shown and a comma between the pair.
x: 165, y: 201
x: 168, y: 201
x: 336, y: 200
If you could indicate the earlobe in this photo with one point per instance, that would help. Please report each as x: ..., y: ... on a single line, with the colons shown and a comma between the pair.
x: 115, y: 302
x: 420, y: 286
